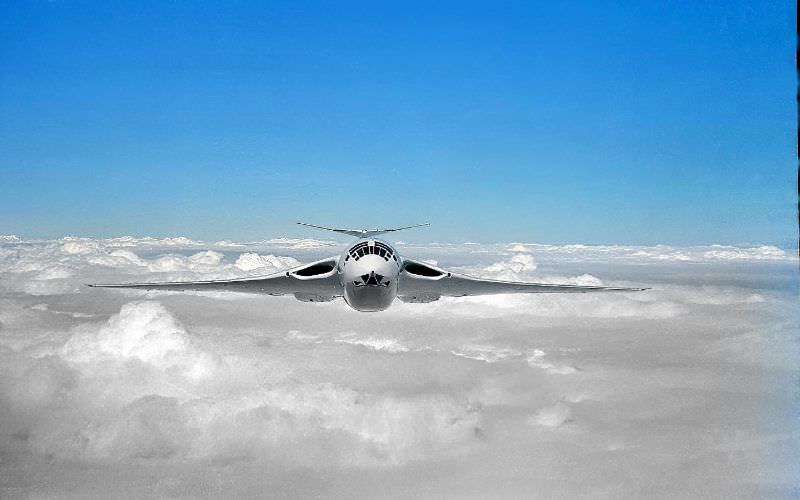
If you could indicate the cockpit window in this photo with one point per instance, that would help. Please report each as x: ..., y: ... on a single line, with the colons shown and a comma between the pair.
x: 372, y: 248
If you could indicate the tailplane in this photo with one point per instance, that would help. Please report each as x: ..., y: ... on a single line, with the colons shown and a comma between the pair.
x: 363, y: 233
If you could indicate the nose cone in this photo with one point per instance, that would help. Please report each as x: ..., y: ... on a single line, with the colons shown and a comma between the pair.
x: 370, y: 300
x: 370, y: 284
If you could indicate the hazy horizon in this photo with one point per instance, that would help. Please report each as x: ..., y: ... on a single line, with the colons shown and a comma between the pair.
x: 339, y: 240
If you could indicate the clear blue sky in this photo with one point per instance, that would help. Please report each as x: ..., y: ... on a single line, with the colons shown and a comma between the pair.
x: 596, y: 122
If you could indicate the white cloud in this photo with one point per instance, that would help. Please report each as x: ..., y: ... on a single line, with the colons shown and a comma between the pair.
x: 142, y: 331
x: 295, y: 243
x: 553, y: 416
x: 252, y: 261
x: 513, y: 269
x: 486, y: 353
x: 376, y: 343
x: 117, y: 258
x: 758, y: 253
x: 537, y: 359
x: 76, y: 246
x: 103, y: 391
x: 149, y: 392
x: 662, y: 253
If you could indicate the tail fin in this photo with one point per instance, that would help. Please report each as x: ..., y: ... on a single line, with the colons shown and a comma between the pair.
x: 363, y: 233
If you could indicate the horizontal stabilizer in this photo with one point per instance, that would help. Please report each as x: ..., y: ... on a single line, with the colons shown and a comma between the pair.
x: 363, y: 233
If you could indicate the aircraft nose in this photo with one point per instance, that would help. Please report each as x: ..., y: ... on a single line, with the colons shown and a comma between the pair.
x: 373, y: 279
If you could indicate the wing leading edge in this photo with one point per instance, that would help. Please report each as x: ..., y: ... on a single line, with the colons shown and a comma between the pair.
x: 422, y: 282
x: 314, y: 282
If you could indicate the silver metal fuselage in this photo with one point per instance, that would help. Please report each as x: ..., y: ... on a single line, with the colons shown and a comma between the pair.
x: 369, y: 271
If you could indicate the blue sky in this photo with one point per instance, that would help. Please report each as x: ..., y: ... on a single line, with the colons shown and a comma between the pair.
x: 600, y: 122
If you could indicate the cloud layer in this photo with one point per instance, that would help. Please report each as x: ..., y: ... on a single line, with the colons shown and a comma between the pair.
x: 683, y: 391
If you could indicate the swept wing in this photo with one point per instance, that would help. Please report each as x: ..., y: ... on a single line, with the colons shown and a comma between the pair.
x: 314, y: 282
x: 421, y: 282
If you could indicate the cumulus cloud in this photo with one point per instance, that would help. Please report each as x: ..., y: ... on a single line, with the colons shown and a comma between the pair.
x: 142, y: 331
x: 376, y: 343
x: 252, y: 261
x: 537, y: 359
x: 486, y: 353
x: 621, y: 394
x: 117, y: 258
x: 553, y: 416
x: 149, y: 392
x: 590, y: 305
x: 654, y: 253
x: 512, y: 269
x: 63, y: 266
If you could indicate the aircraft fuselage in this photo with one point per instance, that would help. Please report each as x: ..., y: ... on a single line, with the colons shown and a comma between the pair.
x: 369, y: 271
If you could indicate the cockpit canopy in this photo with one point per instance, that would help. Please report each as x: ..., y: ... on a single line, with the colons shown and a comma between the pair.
x: 371, y: 248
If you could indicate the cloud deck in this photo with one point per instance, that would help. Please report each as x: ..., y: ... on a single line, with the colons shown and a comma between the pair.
x: 682, y: 391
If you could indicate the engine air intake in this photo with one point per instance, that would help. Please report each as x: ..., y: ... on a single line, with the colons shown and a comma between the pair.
x: 316, y: 269
x: 422, y: 270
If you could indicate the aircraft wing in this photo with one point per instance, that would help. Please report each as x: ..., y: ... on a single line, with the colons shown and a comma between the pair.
x: 421, y: 282
x: 314, y: 282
